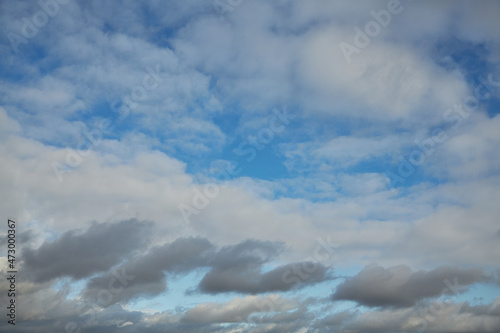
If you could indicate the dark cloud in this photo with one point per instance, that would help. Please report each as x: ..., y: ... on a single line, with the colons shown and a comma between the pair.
x: 84, y: 319
x: 252, y: 281
x: 249, y: 252
x: 254, y: 314
x: 78, y: 255
x: 238, y: 268
x: 399, y: 286
x: 234, y: 268
x: 144, y: 275
x: 427, y: 316
x: 22, y: 238
x: 483, y: 309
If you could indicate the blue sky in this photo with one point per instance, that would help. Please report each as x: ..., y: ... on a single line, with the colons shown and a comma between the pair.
x: 252, y: 166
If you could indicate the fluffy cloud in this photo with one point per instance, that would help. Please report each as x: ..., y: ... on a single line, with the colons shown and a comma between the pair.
x: 144, y: 275
x: 99, y: 248
x: 238, y: 268
x: 399, y: 286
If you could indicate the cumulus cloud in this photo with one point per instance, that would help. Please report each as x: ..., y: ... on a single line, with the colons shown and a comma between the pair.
x: 239, y: 269
x: 97, y: 249
x: 235, y: 268
x: 399, y: 286
x: 144, y: 275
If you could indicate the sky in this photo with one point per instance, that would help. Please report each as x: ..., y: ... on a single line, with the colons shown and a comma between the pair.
x: 251, y: 166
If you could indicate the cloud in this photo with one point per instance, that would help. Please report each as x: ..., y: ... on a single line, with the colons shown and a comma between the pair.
x: 145, y: 274
x: 234, y: 268
x: 7, y: 125
x: 399, y: 286
x: 250, y: 279
x: 98, y: 249
x: 23, y: 238
x: 219, y: 75
x: 238, y: 268
x: 238, y: 309
x: 470, y: 148
x: 435, y: 316
x: 340, y: 153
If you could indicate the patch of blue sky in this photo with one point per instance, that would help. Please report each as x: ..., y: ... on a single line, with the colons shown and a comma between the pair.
x: 10, y: 72
x: 181, y: 293
x: 468, y: 57
x: 472, y: 62
x: 261, y: 161
x: 120, y: 123
x: 177, y: 295
x: 267, y: 164
x: 478, y: 294
x: 74, y: 288
x: 493, y: 105
x: 228, y: 122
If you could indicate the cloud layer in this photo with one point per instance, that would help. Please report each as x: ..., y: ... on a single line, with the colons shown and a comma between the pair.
x: 226, y: 166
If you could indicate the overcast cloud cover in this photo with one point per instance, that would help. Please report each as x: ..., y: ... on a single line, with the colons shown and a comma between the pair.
x: 301, y: 166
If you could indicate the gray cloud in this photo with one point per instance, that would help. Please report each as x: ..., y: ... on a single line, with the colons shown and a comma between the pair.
x: 399, y: 286
x: 432, y: 316
x: 234, y: 268
x: 238, y: 268
x: 250, y: 279
x: 80, y: 254
x: 277, y: 314
x: 21, y: 239
x: 144, y: 275
x: 238, y: 309
x: 482, y: 310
